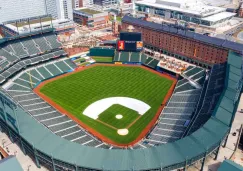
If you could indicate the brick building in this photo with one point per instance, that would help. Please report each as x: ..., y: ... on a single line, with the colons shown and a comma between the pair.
x: 90, y: 17
x: 115, y: 27
x: 185, y: 45
x: 104, y: 2
x: 240, y: 13
x: 77, y: 3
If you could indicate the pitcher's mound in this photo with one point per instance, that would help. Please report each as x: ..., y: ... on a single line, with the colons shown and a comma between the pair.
x: 119, y: 116
x: 122, y: 131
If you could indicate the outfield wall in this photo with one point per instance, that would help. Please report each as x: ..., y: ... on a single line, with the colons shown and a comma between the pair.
x: 56, y: 153
x: 104, y: 52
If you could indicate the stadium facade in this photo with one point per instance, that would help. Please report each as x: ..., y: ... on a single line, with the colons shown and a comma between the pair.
x: 21, y: 119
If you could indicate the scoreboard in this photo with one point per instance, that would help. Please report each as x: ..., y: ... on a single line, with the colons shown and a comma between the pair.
x: 130, y: 41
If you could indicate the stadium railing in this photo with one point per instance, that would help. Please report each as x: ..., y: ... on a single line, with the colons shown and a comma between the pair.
x: 197, y: 146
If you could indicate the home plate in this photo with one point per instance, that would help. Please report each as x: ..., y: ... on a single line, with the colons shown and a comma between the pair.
x: 119, y: 116
x: 122, y: 131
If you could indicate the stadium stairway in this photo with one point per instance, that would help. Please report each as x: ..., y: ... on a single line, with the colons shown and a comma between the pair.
x: 176, y: 115
x: 28, y: 62
x: 151, y: 62
x: 26, y: 48
x: 195, y: 75
x: 212, y: 93
x: 21, y: 91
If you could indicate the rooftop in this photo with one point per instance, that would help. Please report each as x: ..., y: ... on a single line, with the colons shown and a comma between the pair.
x: 230, y: 165
x: 45, y: 24
x: 188, y: 34
x: 36, y: 21
x: 185, y: 6
x: 218, y: 3
x: 10, y: 163
x: 89, y: 11
x: 219, y: 16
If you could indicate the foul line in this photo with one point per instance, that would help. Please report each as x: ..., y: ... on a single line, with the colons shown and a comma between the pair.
x: 106, y: 124
x: 134, y: 122
x: 90, y: 129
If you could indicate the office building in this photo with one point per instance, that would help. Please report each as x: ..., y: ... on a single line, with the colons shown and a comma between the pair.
x: 16, y: 9
x: 88, y: 3
x: 89, y: 17
x: 105, y: 2
x: 77, y: 3
x: 196, y: 12
x: 64, y: 9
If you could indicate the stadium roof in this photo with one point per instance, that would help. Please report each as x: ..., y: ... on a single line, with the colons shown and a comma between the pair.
x: 10, y: 163
x: 168, y: 154
x: 184, y: 33
x: 230, y: 165
x: 208, y: 137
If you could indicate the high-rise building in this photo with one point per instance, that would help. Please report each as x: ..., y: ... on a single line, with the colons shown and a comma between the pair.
x: 60, y: 9
x: 105, y: 2
x: 77, y: 3
x: 51, y: 8
x: 87, y: 3
x: 16, y: 9
x: 64, y: 9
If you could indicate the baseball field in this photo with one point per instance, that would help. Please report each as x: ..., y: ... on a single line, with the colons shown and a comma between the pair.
x: 90, y: 96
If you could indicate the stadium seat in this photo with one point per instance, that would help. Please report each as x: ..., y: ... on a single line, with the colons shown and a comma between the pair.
x: 151, y: 62
x: 178, y: 110
x: 124, y: 57
x: 42, y: 43
x: 135, y: 57
x: 52, y: 39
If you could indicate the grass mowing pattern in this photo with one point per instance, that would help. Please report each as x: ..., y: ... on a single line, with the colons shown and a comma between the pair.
x: 102, y: 59
x: 77, y: 91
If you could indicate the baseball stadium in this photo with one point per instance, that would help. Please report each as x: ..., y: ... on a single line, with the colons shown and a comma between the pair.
x: 163, y: 98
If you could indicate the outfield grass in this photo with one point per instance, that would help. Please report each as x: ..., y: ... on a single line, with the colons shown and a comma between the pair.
x: 77, y: 91
x: 102, y: 59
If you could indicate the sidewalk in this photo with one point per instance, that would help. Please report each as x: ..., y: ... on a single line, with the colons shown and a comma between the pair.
x: 227, y: 152
x: 25, y: 161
